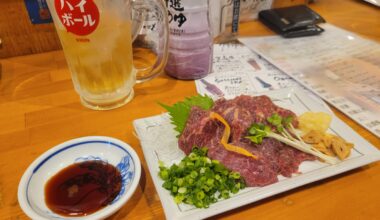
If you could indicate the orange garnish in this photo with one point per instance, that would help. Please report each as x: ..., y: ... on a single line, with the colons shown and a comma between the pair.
x: 226, y: 136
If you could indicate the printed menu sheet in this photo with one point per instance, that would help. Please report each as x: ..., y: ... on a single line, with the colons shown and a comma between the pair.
x: 340, y: 66
x: 237, y: 70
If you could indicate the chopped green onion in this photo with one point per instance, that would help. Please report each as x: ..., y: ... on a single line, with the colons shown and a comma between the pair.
x: 235, y: 175
x: 164, y: 174
x: 200, y: 195
x: 182, y: 190
x: 199, y: 181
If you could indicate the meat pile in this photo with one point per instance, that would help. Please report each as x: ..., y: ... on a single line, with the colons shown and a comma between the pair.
x: 274, y: 157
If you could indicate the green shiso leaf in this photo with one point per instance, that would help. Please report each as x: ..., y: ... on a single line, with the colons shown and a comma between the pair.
x: 180, y: 111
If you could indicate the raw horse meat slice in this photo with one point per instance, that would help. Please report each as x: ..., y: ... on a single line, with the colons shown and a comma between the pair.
x: 275, y: 158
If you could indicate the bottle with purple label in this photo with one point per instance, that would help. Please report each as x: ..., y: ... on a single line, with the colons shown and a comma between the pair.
x: 190, y: 40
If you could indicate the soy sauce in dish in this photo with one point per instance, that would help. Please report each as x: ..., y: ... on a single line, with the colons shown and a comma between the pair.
x: 82, y: 188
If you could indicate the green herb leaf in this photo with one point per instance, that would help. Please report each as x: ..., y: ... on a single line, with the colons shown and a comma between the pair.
x: 275, y: 119
x: 287, y: 121
x: 279, y: 122
x: 258, y: 132
x: 180, y: 111
x: 280, y: 128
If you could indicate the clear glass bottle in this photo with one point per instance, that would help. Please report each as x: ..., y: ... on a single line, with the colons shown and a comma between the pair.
x: 228, y: 20
x: 226, y: 15
x: 190, y: 40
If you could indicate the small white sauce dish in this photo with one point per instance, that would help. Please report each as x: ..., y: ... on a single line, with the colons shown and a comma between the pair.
x: 113, y: 151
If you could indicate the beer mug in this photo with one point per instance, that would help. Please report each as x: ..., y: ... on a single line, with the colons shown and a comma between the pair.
x: 108, y: 47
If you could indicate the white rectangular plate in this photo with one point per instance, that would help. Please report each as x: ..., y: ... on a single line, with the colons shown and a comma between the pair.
x: 159, y: 143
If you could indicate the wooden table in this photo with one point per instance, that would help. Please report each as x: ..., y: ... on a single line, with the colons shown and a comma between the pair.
x: 39, y: 109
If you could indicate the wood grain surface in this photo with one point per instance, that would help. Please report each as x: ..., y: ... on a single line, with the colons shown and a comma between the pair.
x: 19, y: 35
x: 39, y: 109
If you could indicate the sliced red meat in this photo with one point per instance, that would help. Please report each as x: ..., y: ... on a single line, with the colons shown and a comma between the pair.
x: 274, y: 157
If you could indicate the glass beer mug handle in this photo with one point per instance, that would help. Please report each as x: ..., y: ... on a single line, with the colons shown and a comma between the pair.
x: 137, y: 22
x: 150, y: 34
